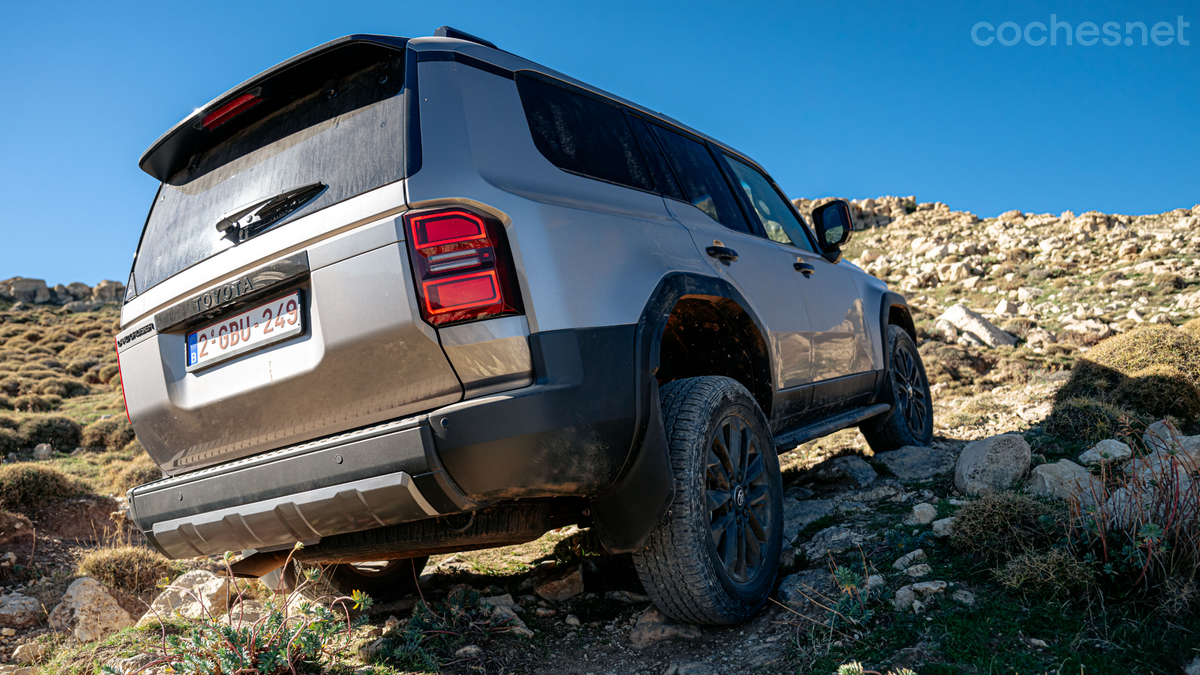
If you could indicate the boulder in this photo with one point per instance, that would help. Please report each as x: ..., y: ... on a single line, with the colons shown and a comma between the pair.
x: 1107, y: 450
x: 79, y: 291
x: 908, y: 559
x: 918, y: 571
x: 943, y: 528
x: 800, y: 589
x: 1065, y: 480
x: 43, y: 451
x: 30, y: 652
x: 194, y: 595
x: 857, y: 469
x: 88, y: 612
x: 916, y: 463
x: 970, y: 322
x: 506, y: 616
x: 994, y: 463
x: 108, y: 291
x: 653, y: 627
x: 19, y: 611
x: 28, y: 291
x: 832, y: 540
x: 560, y: 583
x: 922, y: 514
x: 799, y: 513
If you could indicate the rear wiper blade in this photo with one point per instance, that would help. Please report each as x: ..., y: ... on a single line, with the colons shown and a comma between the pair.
x: 246, y: 221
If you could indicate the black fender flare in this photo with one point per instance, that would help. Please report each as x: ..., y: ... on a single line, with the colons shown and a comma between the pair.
x: 626, y: 514
x: 891, y: 300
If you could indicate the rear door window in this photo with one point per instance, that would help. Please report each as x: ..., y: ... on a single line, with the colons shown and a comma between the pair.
x: 700, y: 179
x: 773, y: 211
x: 582, y: 134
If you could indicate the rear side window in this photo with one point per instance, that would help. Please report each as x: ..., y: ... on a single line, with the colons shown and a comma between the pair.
x: 582, y: 134
x: 700, y: 179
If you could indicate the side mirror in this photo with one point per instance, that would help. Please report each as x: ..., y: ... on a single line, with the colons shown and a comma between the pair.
x: 834, y: 227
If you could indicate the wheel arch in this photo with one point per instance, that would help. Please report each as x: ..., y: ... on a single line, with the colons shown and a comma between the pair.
x: 627, y: 513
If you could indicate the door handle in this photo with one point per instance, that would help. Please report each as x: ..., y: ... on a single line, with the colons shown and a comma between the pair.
x: 722, y: 253
x: 804, y: 268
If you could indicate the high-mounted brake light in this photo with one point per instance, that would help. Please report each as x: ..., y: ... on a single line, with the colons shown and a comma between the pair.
x: 229, y: 111
x: 462, y: 266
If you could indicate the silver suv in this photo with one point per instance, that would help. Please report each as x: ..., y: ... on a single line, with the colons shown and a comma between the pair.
x: 402, y: 297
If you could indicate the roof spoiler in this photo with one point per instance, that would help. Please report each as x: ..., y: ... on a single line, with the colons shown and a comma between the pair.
x: 448, y: 32
x: 174, y: 149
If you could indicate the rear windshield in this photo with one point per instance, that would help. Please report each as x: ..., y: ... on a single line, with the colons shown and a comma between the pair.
x: 338, y: 122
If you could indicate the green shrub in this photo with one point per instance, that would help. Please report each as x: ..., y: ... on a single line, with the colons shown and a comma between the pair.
x: 142, y: 470
x: 5, y: 402
x: 107, y: 372
x: 133, y: 569
x: 61, y: 433
x: 1192, y: 328
x: 1159, y: 391
x: 35, y: 403
x: 999, y: 524
x: 111, y: 434
x: 1087, y: 420
x: 33, y: 487
x: 10, y: 441
x: 1169, y: 281
x: 61, y: 386
x: 1148, y: 346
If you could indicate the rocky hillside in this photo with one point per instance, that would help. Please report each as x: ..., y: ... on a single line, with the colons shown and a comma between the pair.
x: 1054, y: 524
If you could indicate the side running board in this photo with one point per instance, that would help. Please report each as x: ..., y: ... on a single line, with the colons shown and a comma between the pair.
x: 790, y: 438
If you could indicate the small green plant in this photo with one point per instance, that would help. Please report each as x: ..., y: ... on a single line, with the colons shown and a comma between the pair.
x: 429, y: 640
x: 856, y: 668
x: 292, y: 636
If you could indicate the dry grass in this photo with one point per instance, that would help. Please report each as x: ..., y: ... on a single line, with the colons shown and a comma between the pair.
x: 26, y: 488
x: 999, y: 524
x: 1055, y: 573
x: 1085, y: 419
x: 133, y: 569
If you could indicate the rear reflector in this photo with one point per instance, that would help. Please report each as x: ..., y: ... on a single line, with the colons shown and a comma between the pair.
x: 462, y: 266
x: 229, y: 111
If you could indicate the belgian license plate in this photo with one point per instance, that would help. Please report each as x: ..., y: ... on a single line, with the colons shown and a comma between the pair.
x: 266, y: 324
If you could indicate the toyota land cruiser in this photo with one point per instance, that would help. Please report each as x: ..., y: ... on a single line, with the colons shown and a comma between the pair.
x: 401, y: 297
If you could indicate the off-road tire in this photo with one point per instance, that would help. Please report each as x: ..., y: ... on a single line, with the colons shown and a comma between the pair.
x: 397, y: 579
x: 681, y: 567
x: 894, y: 429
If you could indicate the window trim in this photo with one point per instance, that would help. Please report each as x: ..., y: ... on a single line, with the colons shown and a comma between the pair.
x: 792, y: 207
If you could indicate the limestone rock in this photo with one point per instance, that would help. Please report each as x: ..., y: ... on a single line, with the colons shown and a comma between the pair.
x: 653, y: 627
x: 832, y: 540
x: 195, y: 594
x: 19, y: 611
x: 857, y: 469
x: 1065, y: 480
x: 799, y: 513
x: 108, y: 291
x: 28, y: 291
x: 922, y: 514
x: 943, y: 528
x: 469, y: 652
x: 918, y: 571
x: 30, y: 652
x: 1108, y: 450
x: 506, y: 616
x: 965, y: 320
x: 906, y: 560
x: 77, y: 306
x: 994, y: 463
x: 916, y: 463
x: 963, y: 596
x: 43, y: 451
x: 560, y: 584
x: 88, y: 612
x: 798, y: 590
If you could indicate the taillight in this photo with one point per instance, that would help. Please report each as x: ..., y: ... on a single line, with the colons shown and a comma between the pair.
x: 229, y: 111
x: 462, y: 265
x: 124, y: 400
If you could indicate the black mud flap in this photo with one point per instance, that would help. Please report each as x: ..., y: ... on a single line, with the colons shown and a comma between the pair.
x: 627, y: 514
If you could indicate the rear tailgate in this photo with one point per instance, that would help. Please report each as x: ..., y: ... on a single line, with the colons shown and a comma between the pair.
x: 276, y: 243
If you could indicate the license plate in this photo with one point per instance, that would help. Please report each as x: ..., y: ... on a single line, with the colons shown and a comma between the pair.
x: 266, y: 324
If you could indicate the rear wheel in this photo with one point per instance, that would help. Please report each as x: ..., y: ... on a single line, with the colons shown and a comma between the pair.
x: 383, y: 581
x: 714, y: 557
x: 910, y: 421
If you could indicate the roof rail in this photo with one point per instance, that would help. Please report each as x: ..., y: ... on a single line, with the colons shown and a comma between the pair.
x: 448, y: 32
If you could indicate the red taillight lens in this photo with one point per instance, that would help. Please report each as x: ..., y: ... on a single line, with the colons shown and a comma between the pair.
x: 229, y: 111
x: 462, y: 266
x: 124, y: 399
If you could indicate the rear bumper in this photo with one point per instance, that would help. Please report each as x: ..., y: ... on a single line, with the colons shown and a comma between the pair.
x: 569, y: 434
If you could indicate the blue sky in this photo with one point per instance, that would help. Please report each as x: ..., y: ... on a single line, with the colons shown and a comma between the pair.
x: 849, y: 99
